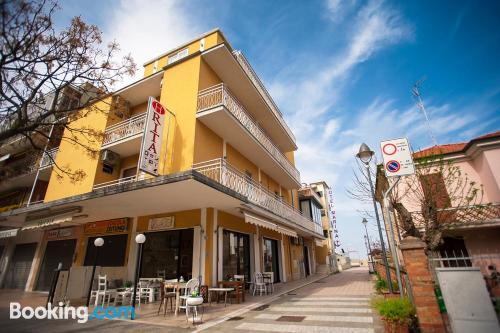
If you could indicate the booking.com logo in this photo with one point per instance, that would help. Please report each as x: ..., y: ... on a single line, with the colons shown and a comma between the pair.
x: 80, y: 313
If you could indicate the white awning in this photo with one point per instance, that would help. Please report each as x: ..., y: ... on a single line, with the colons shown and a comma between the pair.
x: 287, y: 232
x: 252, y: 219
x: 47, y: 221
x: 262, y: 222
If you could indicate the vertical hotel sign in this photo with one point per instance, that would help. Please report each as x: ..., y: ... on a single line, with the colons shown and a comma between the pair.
x: 149, y: 159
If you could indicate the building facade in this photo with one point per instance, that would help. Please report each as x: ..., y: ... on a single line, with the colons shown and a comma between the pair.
x: 196, y: 155
x: 468, y: 231
x: 316, y: 201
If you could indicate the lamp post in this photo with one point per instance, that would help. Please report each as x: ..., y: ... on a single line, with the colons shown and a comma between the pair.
x: 139, y: 239
x: 365, y: 155
x: 370, y: 258
x: 98, y: 242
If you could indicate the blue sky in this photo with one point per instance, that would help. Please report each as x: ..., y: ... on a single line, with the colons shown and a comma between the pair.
x: 340, y: 71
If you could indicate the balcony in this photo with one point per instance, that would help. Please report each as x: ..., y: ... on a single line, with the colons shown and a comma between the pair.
x: 262, y: 90
x: 116, y: 182
x: 473, y: 216
x: 233, y: 69
x: 125, y: 137
x: 225, y: 115
x: 48, y: 158
x: 222, y: 172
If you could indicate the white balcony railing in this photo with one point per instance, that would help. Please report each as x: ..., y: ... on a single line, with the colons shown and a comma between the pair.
x: 48, y: 158
x: 222, y: 172
x: 112, y: 183
x: 124, y: 129
x: 262, y: 90
x: 220, y: 95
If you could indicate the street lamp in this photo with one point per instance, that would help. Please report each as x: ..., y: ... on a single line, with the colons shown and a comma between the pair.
x: 365, y: 154
x: 139, y: 239
x: 98, y: 242
x: 370, y: 257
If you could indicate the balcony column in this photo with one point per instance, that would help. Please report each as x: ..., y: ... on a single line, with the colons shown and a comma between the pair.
x: 256, y: 249
x: 132, y: 252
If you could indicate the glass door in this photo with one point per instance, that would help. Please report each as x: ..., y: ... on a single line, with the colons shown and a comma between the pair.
x: 236, y: 255
x: 271, y: 261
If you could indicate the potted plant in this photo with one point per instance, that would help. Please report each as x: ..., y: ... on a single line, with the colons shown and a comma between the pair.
x: 397, y: 313
x: 194, y: 299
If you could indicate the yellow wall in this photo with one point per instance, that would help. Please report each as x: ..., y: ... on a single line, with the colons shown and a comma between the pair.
x: 69, y: 152
x: 183, y: 219
x: 179, y: 95
x: 321, y: 253
x: 208, y: 145
x: 236, y: 223
x: 211, y: 40
x: 236, y: 159
x: 290, y: 156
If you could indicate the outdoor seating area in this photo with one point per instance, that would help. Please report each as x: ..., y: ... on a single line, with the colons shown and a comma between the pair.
x: 166, y: 298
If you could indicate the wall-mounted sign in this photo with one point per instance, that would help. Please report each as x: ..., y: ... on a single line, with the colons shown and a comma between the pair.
x: 47, y: 221
x: 149, y: 158
x: 8, y: 233
x: 60, y: 233
x: 106, y: 227
x: 161, y: 223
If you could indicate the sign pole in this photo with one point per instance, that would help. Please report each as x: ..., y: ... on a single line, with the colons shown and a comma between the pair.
x: 391, y: 238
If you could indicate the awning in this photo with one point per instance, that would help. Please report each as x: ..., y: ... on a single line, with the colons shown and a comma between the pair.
x: 287, y: 232
x: 261, y: 222
x: 42, y: 221
x: 252, y: 219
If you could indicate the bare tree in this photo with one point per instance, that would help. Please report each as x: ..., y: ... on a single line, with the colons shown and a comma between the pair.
x: 50, y: 79
x: 441, y: 196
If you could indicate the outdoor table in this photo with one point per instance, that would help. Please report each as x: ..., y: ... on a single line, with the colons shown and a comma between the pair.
x: 218, y: 290
x: 237, y: 286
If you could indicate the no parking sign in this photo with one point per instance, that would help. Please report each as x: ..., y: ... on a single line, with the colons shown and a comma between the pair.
x: 397, y: 157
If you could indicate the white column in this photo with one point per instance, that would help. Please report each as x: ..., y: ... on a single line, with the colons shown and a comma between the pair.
x: 203, y: 244
x: 196, y: 252
x: 219, y: 250
x: 283, y: 261
x: 132, y: 252
x: 215, y: 250
x: 256, y: 247
x: 37, y: 261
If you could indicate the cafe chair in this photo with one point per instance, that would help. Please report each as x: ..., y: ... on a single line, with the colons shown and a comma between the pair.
x: 102, y: 291
x: 269, y: 281
x: 259, y: 284
x: 165, y: 297
x: 191, y: 286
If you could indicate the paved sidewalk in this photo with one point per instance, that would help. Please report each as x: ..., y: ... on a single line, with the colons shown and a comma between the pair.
x: 339, y: 303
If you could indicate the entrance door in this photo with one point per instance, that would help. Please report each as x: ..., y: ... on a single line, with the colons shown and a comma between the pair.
x: 56, y: 252
x: 306, y: 261
x: 236, y: 255
x: 20, y: 266
x: 169, y: 251
x: 271, y: 261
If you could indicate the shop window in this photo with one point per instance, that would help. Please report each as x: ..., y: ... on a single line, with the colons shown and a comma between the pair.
x: 111, y: 254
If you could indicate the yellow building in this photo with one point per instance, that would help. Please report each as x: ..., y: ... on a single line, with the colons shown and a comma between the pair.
x: 315, y: 202
x: 220, y: 199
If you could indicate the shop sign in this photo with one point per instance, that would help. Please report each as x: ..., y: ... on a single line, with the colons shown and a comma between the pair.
x: 161, y: 223
x: 8, y: 233
x: 60, y: 233
x: 149, y: 158
x: 106, y: 227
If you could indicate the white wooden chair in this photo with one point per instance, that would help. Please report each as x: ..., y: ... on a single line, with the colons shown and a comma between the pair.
x: 102, y: 291
x: 270, y: 281
x: 191, y: 285
x: 259, y: 284
x: 143, y: 292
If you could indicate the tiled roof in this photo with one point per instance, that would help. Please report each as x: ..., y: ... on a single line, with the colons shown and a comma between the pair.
x: 452, y: 147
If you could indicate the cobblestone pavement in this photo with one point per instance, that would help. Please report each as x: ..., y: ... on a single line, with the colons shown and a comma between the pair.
x: 337, y: 304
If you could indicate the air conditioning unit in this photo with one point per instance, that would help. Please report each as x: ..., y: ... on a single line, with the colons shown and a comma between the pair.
x: 109, y: 157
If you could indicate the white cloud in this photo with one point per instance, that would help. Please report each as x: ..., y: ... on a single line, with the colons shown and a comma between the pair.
x: 338, y: 9
x: 330, y: 128
x: 148, y: 29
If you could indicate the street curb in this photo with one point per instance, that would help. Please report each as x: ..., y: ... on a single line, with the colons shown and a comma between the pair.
x: 252, y: 306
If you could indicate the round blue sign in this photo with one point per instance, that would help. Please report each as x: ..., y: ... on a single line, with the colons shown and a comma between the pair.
x: 393, y: 166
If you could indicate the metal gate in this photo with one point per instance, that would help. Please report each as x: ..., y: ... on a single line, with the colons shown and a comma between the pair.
x: 20, y: 266
x: 467, y: 300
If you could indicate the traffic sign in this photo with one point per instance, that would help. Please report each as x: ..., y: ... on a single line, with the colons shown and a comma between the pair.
x: 397, y: 157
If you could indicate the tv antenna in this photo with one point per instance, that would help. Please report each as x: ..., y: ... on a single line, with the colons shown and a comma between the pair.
x: 420, y: 103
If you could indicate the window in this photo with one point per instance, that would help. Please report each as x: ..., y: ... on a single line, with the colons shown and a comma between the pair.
x: 111, y: 254
x: 320, y: 194
x: 178, y: 56
x: 325, y: 233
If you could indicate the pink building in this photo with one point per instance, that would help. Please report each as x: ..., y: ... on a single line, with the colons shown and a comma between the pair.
x: 470, y: 231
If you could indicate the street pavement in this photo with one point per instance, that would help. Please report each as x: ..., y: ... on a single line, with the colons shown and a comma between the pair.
x: 339, y: 303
